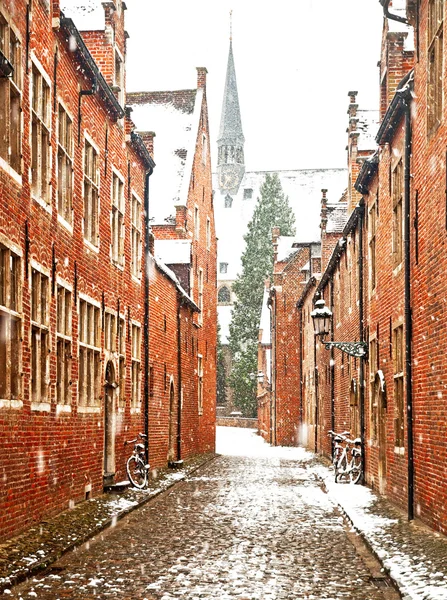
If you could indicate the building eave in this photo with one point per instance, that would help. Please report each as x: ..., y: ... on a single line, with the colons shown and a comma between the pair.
x: 309, y: 285
x: 396, y: 109
x: 88, y: 62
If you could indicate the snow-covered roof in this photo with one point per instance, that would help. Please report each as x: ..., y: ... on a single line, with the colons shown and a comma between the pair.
x: 264, y: 324
x: 399, y: 8
x: 337, y: 217
x: 174, y: 117
x: 173, y: 277
x: 224, y: 318
x: 368, y: 126
x: 173, y: 252
x: 87, y: 15
x: 285, y: 247
x: 303, y: 188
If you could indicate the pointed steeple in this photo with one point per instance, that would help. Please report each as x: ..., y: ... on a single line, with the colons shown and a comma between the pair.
x: 230, y: 143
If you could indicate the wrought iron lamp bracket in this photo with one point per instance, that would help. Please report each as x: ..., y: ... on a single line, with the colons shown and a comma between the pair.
x: 357, y: 349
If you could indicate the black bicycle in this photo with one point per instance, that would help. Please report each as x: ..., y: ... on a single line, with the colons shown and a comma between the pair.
x: 136, y: 466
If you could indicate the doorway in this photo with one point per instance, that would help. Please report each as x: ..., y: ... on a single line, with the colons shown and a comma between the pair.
x: 380, y: 402
x: 109, y: 422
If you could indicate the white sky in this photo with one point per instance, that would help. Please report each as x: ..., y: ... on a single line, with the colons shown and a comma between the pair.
x: 295, y: 62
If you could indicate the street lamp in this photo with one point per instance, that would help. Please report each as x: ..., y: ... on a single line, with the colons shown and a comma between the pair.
x: 321, y: 316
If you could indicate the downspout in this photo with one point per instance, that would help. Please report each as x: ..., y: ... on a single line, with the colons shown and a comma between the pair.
x: 82, y: 93
x: 407, y: 297
x: 301, y: 332
x: 361, y: 210
x: 273, y: 416
x: 332, y: 364
x: 146, y: 309
x: 316, y: 394
x: 179, y: 379
x: 388, y: 15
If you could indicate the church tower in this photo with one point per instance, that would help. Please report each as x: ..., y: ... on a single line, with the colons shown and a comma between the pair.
x: 230, y: 143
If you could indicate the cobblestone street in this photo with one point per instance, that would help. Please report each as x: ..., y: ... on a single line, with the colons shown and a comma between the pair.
x: 247, y: 527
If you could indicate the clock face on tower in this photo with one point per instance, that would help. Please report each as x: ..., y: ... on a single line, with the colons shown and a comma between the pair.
x: 229, y: 177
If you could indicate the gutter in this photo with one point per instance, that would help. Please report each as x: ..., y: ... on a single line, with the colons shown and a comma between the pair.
x: 88, y: 61
x: 386, y: 13
x: 361, y: 334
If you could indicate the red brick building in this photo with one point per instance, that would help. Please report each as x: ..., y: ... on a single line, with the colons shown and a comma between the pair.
x: 75, y: 301
x: 382, y: 279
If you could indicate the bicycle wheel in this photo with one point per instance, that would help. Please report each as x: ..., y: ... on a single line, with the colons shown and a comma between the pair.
x: 341, y: 470
x: 137, y: 473
x: 355, y: 470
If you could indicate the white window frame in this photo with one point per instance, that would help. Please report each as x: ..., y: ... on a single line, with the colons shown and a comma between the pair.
x: 94, y: 186
x: 65, y: 155
x: 117, y: 214
x: 92, y: 352
x: 11, y: 313
x: 200, y: 384
x: 135, y: 397
x: 64, y: 339
x: 41, y: 116
x: 136, y: 235
x: 40, y: 341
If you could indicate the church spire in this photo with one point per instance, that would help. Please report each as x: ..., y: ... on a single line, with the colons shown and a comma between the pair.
x: 230, y: 143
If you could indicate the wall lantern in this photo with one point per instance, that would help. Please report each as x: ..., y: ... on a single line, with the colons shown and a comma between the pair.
x: 260, y: 377
x: 321, y: 316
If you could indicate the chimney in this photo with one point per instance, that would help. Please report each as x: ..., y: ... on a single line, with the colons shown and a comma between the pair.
x: 323, y: 213
x: 201, y: 77
x: 148, y: 139
x: 276, y: 232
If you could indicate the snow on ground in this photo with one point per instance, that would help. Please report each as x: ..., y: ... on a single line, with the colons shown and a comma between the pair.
x: 404, y: 551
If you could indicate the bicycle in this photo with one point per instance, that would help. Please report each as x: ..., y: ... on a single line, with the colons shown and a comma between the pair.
x: 136, y: 467
x: 346, y: 457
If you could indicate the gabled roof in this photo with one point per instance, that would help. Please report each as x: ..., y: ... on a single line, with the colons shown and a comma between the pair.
x: 367, y: 125
x: 88, y: 15
x: 337, y: 215
x: 174, y: 117
x: 230, y: 131
x: 173, y: 252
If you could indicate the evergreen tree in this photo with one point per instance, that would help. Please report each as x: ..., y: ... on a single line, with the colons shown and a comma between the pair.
x: 272, y: 209
x: 221, y: 371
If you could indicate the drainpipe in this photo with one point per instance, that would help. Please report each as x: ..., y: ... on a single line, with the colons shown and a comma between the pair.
x: 301, y: 322
x: 146, y: 309
x: 361, y: 210
x: 407, y: 297
x: 388, y: 15
x: 179, y: 379
x: 332, y: 364
x: 83, y: 93
x: 273, y: 416
x: 316, y: 394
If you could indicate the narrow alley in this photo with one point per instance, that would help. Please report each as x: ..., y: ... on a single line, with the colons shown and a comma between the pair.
x: 255, y: 523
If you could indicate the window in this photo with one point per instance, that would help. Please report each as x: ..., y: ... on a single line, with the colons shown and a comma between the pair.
x: 224, y: 295
x: 117, y: 220
x: 435, y: 63
x: 136, y: 236
x: 200, y: 384
x: 63, y: 351
x: 208, y: 233
x: 372, y: 244
x: 10, y: 324
x: 10, y: 98
x: 65, y: 166
x: 398, y: 362
x: 40, y: 346
x: 122, y: 362
x: 223, y: 267
x: 397, y: 181
x: 136, y: 365
x: 248, y: 194
x: 196, y: 222
x: 200, y: 304
x: 91, y: 196
x: 110, y: 332
x: 40, y: 137
x: 374, y: 422
x: 228, y: 201
x: 89, y: 354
